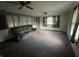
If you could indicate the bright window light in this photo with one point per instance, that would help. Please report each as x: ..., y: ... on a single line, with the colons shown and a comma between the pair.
x: 49, y: 20
x: 72, y: 29
x: 74, y: 21
x: 77, y: 34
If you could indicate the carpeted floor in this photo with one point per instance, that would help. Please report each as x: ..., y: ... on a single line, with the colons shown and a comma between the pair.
x: 40, y: 43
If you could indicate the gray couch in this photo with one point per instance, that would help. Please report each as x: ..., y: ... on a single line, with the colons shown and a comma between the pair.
x: 20, y: 31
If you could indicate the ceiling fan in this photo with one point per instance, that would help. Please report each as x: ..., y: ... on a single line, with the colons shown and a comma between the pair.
x: 23, y: 4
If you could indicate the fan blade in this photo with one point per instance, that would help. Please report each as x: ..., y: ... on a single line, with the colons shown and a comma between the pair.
x: 20, y: 7
x: 29, y: 7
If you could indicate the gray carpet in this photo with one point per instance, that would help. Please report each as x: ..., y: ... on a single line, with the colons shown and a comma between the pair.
x: 40, y: 43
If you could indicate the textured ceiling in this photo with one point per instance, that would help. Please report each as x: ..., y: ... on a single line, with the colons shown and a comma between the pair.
x: 51, y: 7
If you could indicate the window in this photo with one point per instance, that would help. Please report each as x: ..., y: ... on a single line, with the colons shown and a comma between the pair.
x: 52, y: 21
x: 49, y: 20
x: 75, y: 26
x: 74, y: 21
x: 14, y: 20
x: 77, y: 34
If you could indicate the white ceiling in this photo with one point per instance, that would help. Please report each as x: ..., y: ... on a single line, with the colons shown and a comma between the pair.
x: 51, y: 7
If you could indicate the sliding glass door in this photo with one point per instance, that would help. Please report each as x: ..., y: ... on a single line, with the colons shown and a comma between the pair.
x: 75, y: 26
x: 75, y: 16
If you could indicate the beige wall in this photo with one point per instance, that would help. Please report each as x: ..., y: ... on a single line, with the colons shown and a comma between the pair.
x: 69, y: 23
x: 64, y: 20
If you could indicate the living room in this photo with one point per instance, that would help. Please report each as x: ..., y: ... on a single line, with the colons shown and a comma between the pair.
x: 39, y: 28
